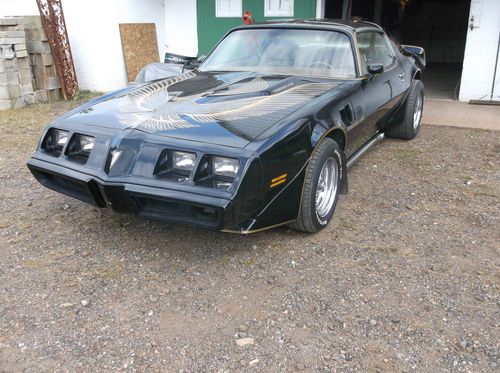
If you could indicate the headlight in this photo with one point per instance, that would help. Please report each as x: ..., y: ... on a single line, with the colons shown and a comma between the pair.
x: 226, y: 166
x: 62, y: 137
x: 79, y: 147
x: 55, y: 140
x: 183, y: 160
x: 86, y: 143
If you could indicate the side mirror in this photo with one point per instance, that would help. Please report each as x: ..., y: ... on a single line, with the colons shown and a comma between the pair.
x: 417, y: 52
x: 193, y: 64
x: 375, y: 69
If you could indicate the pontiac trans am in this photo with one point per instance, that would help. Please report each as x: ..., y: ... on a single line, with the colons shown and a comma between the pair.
x: 260, y: 134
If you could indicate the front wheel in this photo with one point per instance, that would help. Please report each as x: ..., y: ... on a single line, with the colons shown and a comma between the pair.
x: 414, y: 108
x: 321, y: 188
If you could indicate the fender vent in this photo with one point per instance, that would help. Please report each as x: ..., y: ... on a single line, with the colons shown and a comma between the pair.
x: 347, y: 115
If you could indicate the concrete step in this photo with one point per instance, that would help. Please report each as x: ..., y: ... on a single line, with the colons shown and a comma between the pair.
x: 461, y: 114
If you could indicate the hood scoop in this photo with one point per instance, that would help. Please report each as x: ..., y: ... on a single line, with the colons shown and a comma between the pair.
x: 257, y: 87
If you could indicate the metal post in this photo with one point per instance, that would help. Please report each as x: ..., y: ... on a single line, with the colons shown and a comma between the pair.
x: 53, y: 22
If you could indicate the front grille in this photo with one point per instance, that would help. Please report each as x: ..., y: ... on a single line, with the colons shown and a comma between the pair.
x: 178, y: 211
x: 71, y: 187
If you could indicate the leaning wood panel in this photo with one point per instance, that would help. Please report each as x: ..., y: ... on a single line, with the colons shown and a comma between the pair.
x: 140, y: 46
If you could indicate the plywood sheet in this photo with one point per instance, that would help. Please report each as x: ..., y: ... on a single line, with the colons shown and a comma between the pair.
x: 140, y: 46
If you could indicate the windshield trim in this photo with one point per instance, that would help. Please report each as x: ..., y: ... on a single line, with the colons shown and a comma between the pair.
x: 349, y: 35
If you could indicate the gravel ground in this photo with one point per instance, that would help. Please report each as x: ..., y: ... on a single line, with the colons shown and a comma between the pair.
x: 405, y: 278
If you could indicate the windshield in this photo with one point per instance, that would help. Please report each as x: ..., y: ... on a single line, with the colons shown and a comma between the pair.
x: 319, y: 53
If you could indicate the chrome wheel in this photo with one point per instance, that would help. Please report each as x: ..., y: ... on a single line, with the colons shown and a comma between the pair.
x: 326, y: 190
x: 417, y: 114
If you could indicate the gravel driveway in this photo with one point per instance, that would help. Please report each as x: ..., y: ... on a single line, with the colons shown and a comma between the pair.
x: 405, y: 278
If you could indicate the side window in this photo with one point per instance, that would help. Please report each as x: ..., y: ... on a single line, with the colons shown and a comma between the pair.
x: 374, y: 49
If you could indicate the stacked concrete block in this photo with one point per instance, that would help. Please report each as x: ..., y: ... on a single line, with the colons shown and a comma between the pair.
x: 45, y: 80
x: 27, y: 71
x: 16, y: 87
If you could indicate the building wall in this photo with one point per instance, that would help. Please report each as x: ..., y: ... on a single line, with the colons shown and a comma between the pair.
x: 181, y: 27
x: 480, y: 53
x: 211, y: 28
x: 95, y: 37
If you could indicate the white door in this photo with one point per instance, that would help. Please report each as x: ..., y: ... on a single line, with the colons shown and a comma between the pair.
x: 481, y: 52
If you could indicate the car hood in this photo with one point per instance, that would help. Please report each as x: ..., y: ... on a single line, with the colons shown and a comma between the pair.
x: 228, y: 109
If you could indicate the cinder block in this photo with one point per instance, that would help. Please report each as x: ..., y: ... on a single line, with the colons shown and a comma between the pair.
x: 10, y: 91
x: 52, y: 82
x: 23, y: 63
x: 43, y: 59
x: 27, y: 88
x: 53, y: 95
x: 9, y: 21
x: 7, y: 65
x: 10, y: 41
x: 38, y: 71
x: 12, y: 34
x: 19, y: 27
x: 36, y: 46
x: 36, y: 34
x: 38, y: 83
x: 9, y: 78
x: 48, y: 83
x: 43, y: 71
x: 41, y: 96
x: 31, y: 22
x: 20, y: 54
x: 47, y: 59
x: 25, y: 75
x: 20, y: 47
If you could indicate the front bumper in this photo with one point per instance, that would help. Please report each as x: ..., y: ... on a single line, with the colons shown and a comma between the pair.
x: 130, y: 196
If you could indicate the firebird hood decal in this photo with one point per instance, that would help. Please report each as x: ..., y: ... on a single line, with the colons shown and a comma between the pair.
x: 185, y: 106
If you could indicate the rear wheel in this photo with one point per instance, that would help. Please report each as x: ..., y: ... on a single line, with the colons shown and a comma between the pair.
x: 412, y: 121
x: 321, y: 188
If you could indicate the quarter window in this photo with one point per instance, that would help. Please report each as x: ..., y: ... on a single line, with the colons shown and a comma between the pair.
x: 374, y: 49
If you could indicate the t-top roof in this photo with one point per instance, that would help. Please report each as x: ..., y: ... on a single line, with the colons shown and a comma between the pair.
x: 334, y: 24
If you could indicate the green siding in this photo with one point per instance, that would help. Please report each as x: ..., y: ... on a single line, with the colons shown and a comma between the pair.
x: 211, y: 29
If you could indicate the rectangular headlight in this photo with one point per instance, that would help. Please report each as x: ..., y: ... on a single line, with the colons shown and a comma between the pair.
x: 55, y: 140
x: 79, y: 147
x: 226, y: 166
x: 183, y: 160
x: 86, y: 143
x: 62, y: 137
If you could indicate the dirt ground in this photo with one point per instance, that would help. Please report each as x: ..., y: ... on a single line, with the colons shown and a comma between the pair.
x: 405, y: 278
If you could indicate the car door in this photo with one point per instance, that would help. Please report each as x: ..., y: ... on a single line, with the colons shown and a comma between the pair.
x: 382, y: 91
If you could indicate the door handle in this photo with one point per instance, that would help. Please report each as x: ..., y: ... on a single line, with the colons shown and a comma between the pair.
x: 402, y: 76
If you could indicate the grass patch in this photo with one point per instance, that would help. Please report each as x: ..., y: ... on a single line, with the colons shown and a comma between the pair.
x: 405, y: 153
x: 21, y: 127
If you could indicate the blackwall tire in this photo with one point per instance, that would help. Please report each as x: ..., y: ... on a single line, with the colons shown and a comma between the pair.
x: 321, y: 187
x: 412, y: 121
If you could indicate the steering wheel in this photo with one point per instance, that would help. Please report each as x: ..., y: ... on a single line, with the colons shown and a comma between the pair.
x: 320, y: 63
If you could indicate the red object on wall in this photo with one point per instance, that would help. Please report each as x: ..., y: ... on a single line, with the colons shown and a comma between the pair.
x: 248, y: 18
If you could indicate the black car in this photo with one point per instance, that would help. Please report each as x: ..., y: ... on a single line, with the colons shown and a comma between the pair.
x: 260, y: 134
